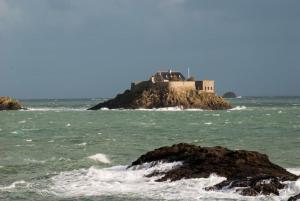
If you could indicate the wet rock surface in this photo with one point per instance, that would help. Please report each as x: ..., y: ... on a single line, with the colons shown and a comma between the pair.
x: 295, y: 198
x: 249, y: 172
x: 7, y: 103
x: 158, y: 97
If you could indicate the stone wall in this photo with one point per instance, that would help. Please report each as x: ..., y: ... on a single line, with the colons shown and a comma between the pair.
x: 182, y: 85
x: 206, y: 86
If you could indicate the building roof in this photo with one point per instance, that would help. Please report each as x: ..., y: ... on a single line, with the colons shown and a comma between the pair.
x: 169, y: 75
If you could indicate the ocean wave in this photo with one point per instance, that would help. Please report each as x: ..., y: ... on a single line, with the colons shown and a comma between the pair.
x: 29, y: 160
x: 162, y: 109
x: 238, y: 108
x: 295, y: 171
x: 120, y: 181
x: 55, y: 109
x: 100, y: 157
x: 14, y: 185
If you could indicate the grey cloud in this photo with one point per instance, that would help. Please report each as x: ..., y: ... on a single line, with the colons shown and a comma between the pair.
x: 64, y: 48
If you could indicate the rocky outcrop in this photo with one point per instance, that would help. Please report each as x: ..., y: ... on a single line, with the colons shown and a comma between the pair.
x: 248, y: 169
x: 6, y: 103
x: 295, y: 198
x: 229, y: 94
x: 158, y: 97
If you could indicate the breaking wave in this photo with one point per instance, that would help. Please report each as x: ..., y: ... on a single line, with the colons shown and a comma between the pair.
x: 100, y: 157
x: 163, y: 109
x: 238, y: 108
x: 120, y: 181
x: 54, y: 109
x: 14, y: 185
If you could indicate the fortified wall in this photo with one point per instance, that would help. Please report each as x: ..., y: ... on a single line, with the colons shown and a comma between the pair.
x: 206, y: 86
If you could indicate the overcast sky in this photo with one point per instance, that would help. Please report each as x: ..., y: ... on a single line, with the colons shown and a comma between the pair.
x: 95, y: 48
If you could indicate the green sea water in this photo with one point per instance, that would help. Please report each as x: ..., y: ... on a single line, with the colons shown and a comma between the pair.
x: 57, y: 150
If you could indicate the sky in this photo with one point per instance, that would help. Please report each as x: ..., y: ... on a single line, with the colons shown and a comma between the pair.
x: 95, y: 48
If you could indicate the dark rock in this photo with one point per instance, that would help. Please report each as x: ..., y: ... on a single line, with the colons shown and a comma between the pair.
x: 229, y: 94
x: 156, y: 97
x: 295, y: 198
x: 6, y: 103
x: 252, y: 186
x: 248, y: 169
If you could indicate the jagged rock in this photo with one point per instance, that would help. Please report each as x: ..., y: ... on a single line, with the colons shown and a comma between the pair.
x: 229, y: 94
x: 252, y: 186
x: 6, y: 103
x: 295, y: 198
x: 157, y: 97
x: 248, y: 169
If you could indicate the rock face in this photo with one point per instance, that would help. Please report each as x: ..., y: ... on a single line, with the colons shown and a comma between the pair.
x: 157, y: 97
x: 294, y: 198
x: 6, y: 103
x: 229, y: 94
x: 248, y: 169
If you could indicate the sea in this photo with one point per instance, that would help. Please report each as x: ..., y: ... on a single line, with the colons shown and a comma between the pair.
x: 57, y: 150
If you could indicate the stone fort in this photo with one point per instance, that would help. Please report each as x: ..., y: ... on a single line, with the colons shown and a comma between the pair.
x: 174, y: 80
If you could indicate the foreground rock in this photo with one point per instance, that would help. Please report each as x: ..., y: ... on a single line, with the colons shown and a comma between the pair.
x: 155, y: 97
x: 247, y: 169
x: 6, y: 103
x: 294, y: 198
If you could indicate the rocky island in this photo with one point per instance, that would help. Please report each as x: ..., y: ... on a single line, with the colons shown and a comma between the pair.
x: 249, y: 172
x: 229, y: 94
x: 7, y: 103
x: 168, y: 89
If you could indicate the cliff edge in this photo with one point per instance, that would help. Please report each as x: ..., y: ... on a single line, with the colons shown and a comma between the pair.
x: 157, y: 96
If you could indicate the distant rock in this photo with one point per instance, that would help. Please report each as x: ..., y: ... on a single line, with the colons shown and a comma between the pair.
x: 157, y: 97
x: 6, y: 103
x: 248, y: 169
x: 229, y: 94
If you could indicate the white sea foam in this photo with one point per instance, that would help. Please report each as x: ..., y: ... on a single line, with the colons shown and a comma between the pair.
x: 68, y: 125
x: 238, y: 108
x: 82, y: 144
x: 55, y: 109
x: 295, y: 171
x: 208, y: 123
x: 28, y: 140
x: 163, y: 109
x: 177, y: 108
x: 100, y: 157
x: 22, y: 122
x: 13, y: 185
x: 120, y: 181
x: 29, y: 160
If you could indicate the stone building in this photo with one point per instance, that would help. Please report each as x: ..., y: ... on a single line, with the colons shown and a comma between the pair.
x: 175, y: 80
